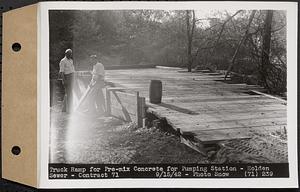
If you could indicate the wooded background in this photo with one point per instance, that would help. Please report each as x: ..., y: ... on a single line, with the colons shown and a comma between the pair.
x: 247, y: 42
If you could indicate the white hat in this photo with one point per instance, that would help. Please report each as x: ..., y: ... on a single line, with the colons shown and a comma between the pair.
x: 68, y: 50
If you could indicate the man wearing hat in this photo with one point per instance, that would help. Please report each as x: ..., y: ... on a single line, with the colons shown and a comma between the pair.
x: 66, y: 71
x: 97, y: 104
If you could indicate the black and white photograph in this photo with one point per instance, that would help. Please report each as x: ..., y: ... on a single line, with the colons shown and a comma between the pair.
x: 163, y: 87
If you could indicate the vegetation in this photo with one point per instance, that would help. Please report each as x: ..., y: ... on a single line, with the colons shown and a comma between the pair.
x: 247, y: 42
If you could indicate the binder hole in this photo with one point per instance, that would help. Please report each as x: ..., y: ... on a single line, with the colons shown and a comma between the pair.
x: 16, y: 47
x: 16, y: 150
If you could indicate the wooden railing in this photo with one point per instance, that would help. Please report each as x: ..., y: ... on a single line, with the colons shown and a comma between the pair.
x: 129, y: 107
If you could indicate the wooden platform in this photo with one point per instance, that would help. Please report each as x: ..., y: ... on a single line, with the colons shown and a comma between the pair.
x: 203, y: 105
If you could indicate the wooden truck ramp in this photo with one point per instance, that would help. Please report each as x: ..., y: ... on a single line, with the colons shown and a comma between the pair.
x: 201, y: 105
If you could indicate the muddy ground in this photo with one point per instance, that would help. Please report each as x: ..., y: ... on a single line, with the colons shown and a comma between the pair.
x: 78, y: 138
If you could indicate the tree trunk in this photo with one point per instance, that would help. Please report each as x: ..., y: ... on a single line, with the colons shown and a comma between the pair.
x: 265, y: 60
x: 190, y: 32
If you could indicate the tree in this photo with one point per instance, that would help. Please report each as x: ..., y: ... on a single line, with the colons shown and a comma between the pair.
x: 61, y: 37
x: 190, y: 27
x: 265, y: 59
x: 243, y: 38
x: 211, y: 45
x: 241, y: 41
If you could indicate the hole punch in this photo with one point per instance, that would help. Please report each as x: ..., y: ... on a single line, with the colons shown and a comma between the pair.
x: 16, y: 150
x: 16, y: 47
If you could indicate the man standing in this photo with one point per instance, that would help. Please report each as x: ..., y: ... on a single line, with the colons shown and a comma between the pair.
x: 97, y: 104
x: 66, y: 72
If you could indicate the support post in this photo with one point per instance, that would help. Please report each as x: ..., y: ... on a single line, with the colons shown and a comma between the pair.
x: 108, y: 101
x: 138, y: 117
x: 141, y: 111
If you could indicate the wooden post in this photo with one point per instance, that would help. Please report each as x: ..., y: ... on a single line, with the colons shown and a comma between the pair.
x: 141, y: 111
x: 107, y: 101
x: 143, y: 104
x: 138, y: 117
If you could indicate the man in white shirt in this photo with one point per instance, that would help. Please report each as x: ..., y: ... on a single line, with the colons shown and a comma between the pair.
x: 66, y: 72
x: 97, y: 104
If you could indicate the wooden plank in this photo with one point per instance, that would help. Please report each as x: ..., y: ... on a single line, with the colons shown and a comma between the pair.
x: 222, y: 116
x: 143, y: 107
x: 131, y: 107
x: 256, y: 101
x: 125, y: 106
x: 123, y: 114
x: 221, y: 109
x: 194, y: 126
x: 108, y: 101
x: 169, y: 68
x: 124, y: 95
x: 190, y: 123
x: 270, y: 96
x: 230, y: 124
x: 196, y: 102
x: 124, y: 110
x: 212, y: 98
x: 228, y: 105
x: 197, y: 146
x: 213, y: 136
x: 138, y: 119
x: 116, y: 88
x: 119, y: 100
x: 141, y: 110
x: 204, y: 98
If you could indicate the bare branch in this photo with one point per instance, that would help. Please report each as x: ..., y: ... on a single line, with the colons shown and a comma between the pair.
x: 231, y: 21
x: 223, y: 26
x: 278, y: 29
x: 222, y: 29
x: 240, y: 43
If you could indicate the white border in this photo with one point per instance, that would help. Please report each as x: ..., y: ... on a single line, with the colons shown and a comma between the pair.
x: 43, y: 95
